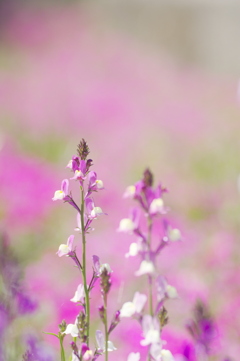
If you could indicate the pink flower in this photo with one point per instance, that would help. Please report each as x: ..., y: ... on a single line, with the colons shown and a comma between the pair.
x: 62, y: 194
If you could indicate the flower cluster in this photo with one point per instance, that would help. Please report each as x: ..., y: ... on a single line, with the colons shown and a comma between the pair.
x: 87, y: 212
x: 151, y: 204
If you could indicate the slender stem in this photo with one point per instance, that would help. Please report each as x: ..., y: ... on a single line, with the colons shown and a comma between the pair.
x: 106, y: 327
x: 84, y: 271
x: 150, y: 279
x: 62, y: 349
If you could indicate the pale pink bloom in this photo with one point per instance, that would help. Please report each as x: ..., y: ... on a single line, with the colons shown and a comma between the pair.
x: 164, y: 290
x: 61, y: 194
x: 151, y: 331
x: 134, y: 356
x: 101, y: 342
x: 130, y: 224
x: 146, y: 267
x: 157, y: 206
x: 88, y: 355
x: 65, y: 249
x: 130, y: 192
x: 130, y: 308
x: 72, y: 330
x: 133, y: 250
x: 79, y: 294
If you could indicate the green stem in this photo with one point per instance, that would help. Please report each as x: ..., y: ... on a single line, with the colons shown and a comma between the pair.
x: 84, y: 271
x: 62, y: 349
x: 150, y: 278
x: 106, y: 327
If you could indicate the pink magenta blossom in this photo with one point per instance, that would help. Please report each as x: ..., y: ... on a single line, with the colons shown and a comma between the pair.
x: 62, y: 194
x: 94, y: 183
x: 79, y: 294
x: 135, y: 307
x: 92, y: 211
x: 66, y: 249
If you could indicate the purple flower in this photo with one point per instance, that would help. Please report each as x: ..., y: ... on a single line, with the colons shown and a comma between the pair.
x: 66, y: 249
x: 62, y: 194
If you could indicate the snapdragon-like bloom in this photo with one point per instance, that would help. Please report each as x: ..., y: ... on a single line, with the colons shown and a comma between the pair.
x: 72, y: 330
x: 66, y: 249
x: 135, y: 307
x: 133, y: 250
x: 94, y: 183
x: 171, y: 234
x: 79, y: 294
x: 164, y: 290
x: 80, y: 172
x: 151, y: 331
x: 92, y: 211
x: 62, y: 194
x: 99, y: 267
x: 101, y: 342
x: 157, y: 207
x: 128, y: 225
x: 130, y: 192
x: 134, y: 356
x: 146, y: 267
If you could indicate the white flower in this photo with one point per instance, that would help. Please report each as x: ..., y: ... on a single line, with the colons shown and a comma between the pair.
x: 171, y: 292
x: 88, y: 355
x: 133, y: 250
x: 99, y: 184
x: 65, y: 249
x: 130, y: 308
x: 164, y: 289
x: 71, y: 329
x: 101, y: 342
x: 134, y: 356
x: 61, y: 194
x: 174, y: 234
x: 79, y: 294
x: 166, y: 355
x: 130, y: 192
x: 126, y: 225
x: 151, y: 331
x: 157, y: 206
x: 146, y: 267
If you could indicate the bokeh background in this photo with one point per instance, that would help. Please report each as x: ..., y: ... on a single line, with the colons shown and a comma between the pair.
x: 147, y: 84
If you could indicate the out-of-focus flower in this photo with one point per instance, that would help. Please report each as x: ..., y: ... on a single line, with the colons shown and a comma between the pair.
x: 151, y: 331
x: 130, y: 308
x: 101, y: 342
x: 79, y: 294
x: 130, y: 224
x: 146, y: 267
x: 134, y: 356
x: 164, y: 290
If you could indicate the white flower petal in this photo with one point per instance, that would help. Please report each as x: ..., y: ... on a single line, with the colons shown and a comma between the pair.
x: 146, y: 267
x: 128, y: 309
x: 134, y: 356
